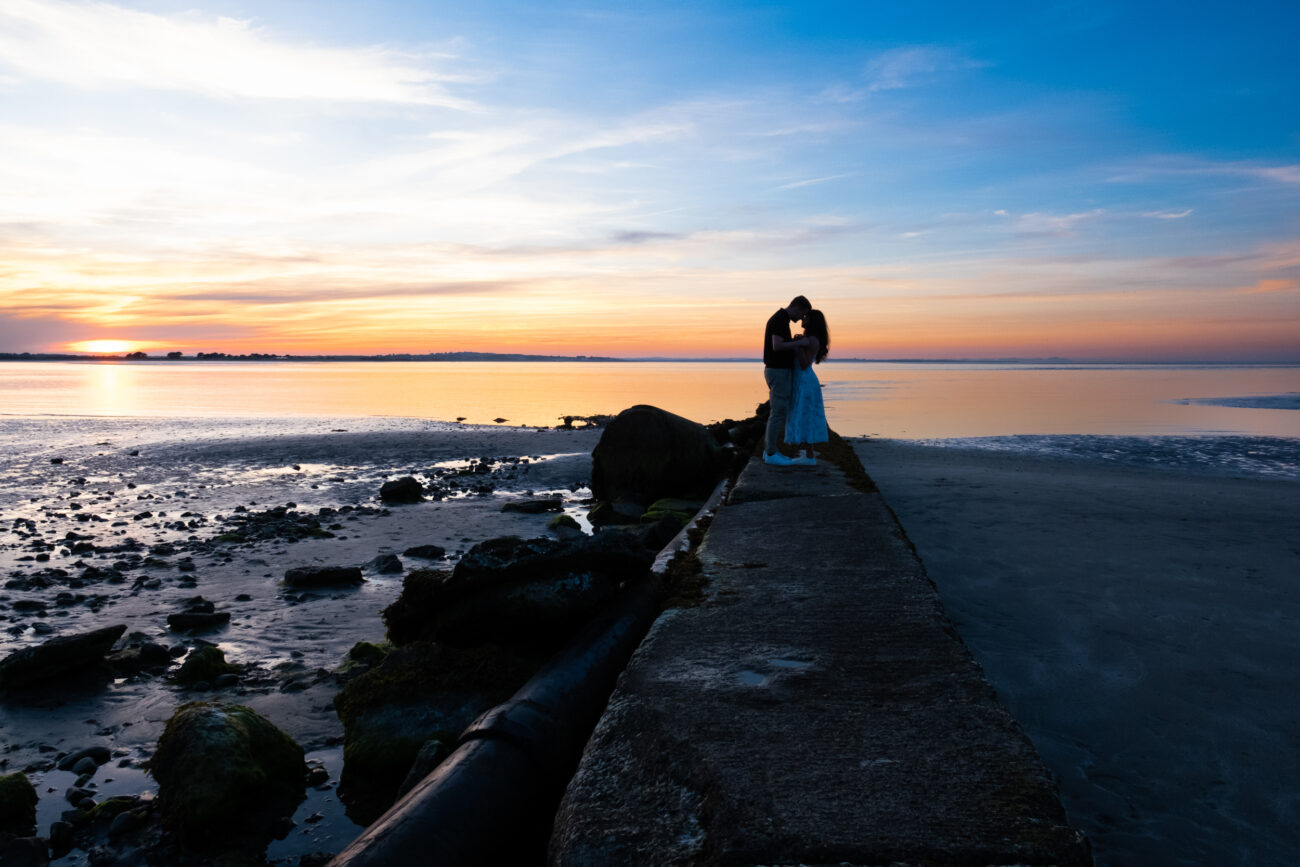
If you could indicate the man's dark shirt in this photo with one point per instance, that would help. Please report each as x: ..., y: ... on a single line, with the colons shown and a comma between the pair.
x: 779, y: 325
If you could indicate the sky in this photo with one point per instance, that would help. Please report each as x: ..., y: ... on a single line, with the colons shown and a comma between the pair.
x: 1097, y: 181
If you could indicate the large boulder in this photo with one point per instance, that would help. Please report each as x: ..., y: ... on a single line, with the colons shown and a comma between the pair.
x: 17, y: 805
x: 223, y: 770
x: 407, y: 489
x: 646, y: 454
x: 510, y: 590
x: 67, y: 654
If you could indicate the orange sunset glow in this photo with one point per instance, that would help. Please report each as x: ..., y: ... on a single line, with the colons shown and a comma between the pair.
x: 251, y: 185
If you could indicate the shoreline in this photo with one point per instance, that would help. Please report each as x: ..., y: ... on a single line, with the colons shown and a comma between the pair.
x: 1138, y: 622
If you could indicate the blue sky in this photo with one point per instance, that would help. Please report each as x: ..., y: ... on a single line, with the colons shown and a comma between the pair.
x: 1096, y: 180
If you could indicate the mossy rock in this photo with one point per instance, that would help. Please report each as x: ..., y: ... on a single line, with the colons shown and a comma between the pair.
x: 111, y: 808
x: 564, y: 521
x: 682, y: 510
x: 205, y: 664
x: 367, y: 653
x: 17, y: 804
x: 407, y: 618
x: 419, y: 691
x: 222, y: 770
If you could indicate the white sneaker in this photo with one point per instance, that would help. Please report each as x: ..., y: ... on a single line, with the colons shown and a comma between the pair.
x: 777, y: 459
x: 804, y: 461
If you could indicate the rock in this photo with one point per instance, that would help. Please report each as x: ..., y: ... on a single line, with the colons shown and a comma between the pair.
x: 323, y: 576
x: 58, y: 656
x: 125, y: 823
x: 404, y: 490
x: 655, y: 536
x: 564, y: 521
x: 17, y: 804
x: 225, y: 681
x: 534, y: 507
x: 516, y: 591
x: 98, y: 754
x: 386, y: 564
x: 431, y: 754
x: 646, y: 454
x: 223, y: 767
x: 418, y: 692
x: 620, y: 511
x: 85, y: 766
x: 25, y: 852
x: 197, y: 621
x: 205, y: 664
x: 682, y: 510
x: 60, y: 838
x: 426, y: 552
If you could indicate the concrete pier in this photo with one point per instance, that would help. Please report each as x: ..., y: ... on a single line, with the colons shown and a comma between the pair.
x: 816, y: 708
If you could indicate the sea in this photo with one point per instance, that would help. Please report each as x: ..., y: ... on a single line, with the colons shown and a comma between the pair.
x: 1231, y: 419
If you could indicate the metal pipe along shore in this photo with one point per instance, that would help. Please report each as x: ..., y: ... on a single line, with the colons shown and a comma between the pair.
x: 494, y: 799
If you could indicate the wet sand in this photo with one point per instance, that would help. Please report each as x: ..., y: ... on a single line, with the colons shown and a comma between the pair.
x: 1142, y: 627
x: 174, y: 488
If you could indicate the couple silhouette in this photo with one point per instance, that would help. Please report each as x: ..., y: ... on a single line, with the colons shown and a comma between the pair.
x: 797, y: 415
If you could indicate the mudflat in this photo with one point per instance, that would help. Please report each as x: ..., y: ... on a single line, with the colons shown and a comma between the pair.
x: 1140, y: 624
x: 110, y: 521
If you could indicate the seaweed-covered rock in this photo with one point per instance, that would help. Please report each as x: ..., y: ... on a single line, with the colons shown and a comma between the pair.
x: 67, y: 654
x: 418, y: 692
x: 17, y: 805
x: 510, y: 590
x: 223, y: 769
x: 646, y: 454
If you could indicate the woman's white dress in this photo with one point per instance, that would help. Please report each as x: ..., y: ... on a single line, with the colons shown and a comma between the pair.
x: 806, y: 421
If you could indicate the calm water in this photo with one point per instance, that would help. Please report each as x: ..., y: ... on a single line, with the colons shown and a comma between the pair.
x: 901, y: 400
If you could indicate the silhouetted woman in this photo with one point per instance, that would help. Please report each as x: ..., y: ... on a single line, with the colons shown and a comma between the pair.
x: 806, y: 423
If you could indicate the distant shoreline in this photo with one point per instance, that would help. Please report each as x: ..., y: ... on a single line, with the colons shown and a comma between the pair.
x: 263, y: 358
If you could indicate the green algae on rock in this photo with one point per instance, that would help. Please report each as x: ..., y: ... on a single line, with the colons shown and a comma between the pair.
x: 224, y: 770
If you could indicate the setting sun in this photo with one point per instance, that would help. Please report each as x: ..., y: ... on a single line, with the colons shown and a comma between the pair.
x: 103, y: 346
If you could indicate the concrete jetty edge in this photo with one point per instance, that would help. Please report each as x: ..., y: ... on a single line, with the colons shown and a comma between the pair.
x: 817, y: 707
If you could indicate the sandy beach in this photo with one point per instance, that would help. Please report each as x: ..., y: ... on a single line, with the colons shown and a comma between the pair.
x: 1140, y: 624
x: 154, y: 504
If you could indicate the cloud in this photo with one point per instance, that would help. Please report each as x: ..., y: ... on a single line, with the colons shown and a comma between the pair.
x: 811, y: 181
x: 99, y: 45
x: 1192, y: 166
x: 1053, y: 225
x: 1168, y: 215
x: 911, y: 66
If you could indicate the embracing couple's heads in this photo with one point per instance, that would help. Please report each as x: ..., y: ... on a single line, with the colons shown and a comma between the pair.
x: 800, y: 310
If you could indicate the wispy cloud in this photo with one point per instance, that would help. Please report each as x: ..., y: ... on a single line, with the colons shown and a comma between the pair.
x: 1192, y: 166
x: 911, y: 66
x: 812, y: 181
x: 1168, y: 215
x: 1050, y: 225
x: 99, y: 45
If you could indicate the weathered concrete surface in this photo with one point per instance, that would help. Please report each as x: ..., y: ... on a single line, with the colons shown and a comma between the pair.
x: 817, y: 708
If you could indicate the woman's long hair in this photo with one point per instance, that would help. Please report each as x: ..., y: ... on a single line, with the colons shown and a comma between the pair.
x: 814, y: 325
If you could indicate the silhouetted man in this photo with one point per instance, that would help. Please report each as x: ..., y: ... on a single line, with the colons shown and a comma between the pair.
x: 778, y: 370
